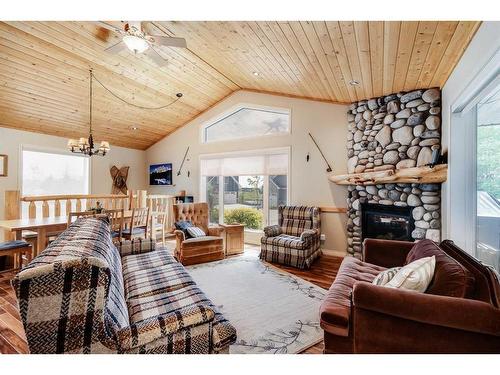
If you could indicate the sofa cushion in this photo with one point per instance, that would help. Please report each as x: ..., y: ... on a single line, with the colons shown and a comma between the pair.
x: 335, y: 309
x: 450, y: 277
x: 153, y: 273
x: 415, y: 276
x: 285, y: 240
x: 200, y: 241
x: 385, y: 276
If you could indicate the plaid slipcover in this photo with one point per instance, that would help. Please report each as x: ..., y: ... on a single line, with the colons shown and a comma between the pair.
x: 296, y: 240
x: 81, y: 296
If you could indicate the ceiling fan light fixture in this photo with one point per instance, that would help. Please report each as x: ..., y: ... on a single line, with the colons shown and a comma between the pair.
x: 135, y: 43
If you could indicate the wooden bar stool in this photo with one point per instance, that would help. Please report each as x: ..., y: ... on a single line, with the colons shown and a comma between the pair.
x: 19, y: 250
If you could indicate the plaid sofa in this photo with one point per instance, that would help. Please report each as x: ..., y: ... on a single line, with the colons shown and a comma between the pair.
x: 85, y: 295
x: 295, y: 241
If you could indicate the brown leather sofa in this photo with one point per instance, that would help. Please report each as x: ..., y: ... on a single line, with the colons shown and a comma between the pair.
x: 458, y: 313
x: 200, y: 249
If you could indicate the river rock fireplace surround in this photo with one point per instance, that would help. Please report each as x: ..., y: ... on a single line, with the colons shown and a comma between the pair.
x: 392, y: 133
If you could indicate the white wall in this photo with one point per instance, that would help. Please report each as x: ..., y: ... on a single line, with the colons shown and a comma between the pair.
x: 309, y: 181
x: 479, y: 52
x: 12, y: 140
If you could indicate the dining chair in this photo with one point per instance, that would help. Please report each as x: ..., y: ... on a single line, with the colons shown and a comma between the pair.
x: 139, y: 222
x: 116, y: 223
x: 160, y: 224
x: 78, y: 214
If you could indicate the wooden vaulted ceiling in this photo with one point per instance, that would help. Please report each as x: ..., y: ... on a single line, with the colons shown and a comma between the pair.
x: 44, y: 70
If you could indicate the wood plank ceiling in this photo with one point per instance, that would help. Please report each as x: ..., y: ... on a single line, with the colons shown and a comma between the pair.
x: 44, y: 70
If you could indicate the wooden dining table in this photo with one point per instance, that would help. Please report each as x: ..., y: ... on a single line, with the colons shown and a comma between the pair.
x: 52, y: 225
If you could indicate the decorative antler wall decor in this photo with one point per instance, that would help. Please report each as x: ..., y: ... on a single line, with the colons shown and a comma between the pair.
x: 119, y: 177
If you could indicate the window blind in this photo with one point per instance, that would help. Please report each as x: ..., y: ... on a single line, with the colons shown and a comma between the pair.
x: 249, y: 164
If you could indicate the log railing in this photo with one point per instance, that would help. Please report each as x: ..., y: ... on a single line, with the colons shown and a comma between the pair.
x: 51, y: 205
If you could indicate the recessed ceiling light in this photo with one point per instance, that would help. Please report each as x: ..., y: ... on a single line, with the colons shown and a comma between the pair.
x: 353, y: 82
x: 134, y: 127
x: 256, y: 73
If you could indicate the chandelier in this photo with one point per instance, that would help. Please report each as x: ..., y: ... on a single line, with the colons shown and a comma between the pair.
x: 86, y: 145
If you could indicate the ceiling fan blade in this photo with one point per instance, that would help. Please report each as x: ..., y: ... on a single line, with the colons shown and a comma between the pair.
x: 109, y: 27
x: 168, y: 41
x: 156, y: 57
x: 115, y: 48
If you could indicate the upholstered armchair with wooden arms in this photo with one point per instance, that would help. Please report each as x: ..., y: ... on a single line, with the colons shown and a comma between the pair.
x: 199, y: 249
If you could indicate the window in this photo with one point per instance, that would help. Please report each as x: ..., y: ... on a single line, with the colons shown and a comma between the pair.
x: 46, y: 173
x: 488, y: 181
x: 247, y: 121
x: 253, y: 185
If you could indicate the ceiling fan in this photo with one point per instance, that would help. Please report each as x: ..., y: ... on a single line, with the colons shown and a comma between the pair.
x: 136, y: 39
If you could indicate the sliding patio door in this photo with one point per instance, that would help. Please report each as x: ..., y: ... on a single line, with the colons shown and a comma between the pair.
x: 245, y: 187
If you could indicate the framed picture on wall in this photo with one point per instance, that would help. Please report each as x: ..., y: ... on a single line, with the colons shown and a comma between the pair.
x: 160, y: 174
x: 3, y: 165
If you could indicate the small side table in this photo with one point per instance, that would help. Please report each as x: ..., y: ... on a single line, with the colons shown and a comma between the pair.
x: 234, y: 238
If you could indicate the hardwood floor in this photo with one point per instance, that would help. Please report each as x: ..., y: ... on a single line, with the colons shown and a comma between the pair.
x: 13, y: 340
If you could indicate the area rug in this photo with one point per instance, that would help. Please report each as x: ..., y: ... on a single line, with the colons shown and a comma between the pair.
x: 273, y: 311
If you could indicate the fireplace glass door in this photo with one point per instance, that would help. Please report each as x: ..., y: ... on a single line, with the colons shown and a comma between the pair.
x: 386, y: 222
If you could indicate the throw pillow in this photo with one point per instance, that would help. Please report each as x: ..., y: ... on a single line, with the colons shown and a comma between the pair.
x: 385, y: 276
x: 183, y: 225
x: 196, y: 232
x: 415, y: 276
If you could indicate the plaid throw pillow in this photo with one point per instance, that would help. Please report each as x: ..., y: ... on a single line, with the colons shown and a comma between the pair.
x: 195, y: 232
x: 183, y: 225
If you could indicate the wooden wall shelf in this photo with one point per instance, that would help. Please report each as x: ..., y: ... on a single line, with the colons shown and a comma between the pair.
x: 420, y: 175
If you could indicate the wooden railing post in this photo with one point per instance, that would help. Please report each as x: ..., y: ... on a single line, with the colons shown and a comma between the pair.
x: 12, y: 209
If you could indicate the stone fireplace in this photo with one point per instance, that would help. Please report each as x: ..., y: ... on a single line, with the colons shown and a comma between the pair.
x: 393, y: 132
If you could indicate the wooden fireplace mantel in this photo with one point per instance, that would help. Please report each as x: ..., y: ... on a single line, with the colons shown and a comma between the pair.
x: 420, y: 175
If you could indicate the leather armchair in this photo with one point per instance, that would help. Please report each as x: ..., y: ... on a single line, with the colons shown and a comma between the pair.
x: 201, y: 249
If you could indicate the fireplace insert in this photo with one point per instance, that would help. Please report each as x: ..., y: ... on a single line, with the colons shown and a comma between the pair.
x: 386, y: 222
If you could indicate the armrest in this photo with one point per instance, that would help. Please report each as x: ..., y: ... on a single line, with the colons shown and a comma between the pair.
x: 309, y: 235
x: 154, y: 328
x: 272, y: 231
x: 386, y: 253
x: 135, y: 246
x: 215, y: 231
x: 451, y: 312
x: 179, y: 235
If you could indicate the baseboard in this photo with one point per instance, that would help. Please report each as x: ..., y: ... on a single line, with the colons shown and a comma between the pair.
x: 335, y: 253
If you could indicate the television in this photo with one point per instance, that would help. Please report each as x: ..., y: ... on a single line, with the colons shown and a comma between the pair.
x: 160, y: 174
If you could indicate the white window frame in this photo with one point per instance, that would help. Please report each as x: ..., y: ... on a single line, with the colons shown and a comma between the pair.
x: 462, y: 163
x: 238, y: 107
x: 49, y: 150
x: 265, y: 207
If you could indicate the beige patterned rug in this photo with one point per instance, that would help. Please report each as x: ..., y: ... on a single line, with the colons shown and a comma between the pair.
x: 273, y: 311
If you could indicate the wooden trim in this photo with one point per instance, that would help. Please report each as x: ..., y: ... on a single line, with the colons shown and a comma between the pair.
x: 333, y: 210
x: 419, y: 175
x: 292, y: 96
x: 36, y: 198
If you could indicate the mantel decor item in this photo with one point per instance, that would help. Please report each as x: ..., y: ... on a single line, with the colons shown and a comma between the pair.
x: 119, y: 176
x: 86, y: 145
x: 4, y: 164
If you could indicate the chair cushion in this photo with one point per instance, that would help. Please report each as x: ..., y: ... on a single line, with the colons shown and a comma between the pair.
x: 136, y: 230
x: 285, y: 240
x: 450, y: 277
x: 336, y: 307
x: 152, y: 273
x: 9, y: 245
x: 200, y: 241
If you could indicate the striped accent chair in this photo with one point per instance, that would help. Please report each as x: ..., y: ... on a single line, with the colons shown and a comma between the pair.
x: 83, y: 294
x: 295, y: 241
